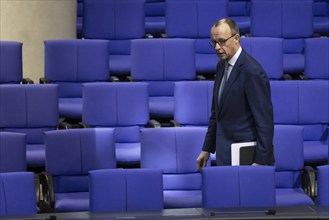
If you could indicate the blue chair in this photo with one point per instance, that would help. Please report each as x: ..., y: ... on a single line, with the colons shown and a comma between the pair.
x: 321, y: 17
x: 155, y: 23
x: 70, y: 63
x: 79, y: 18
x: 12, y: 152
x: 238, y: 186
x: 123, y: 106
x: 196, y: 95
x: 174, y: 151
x: 316, y: 58
x: 11, y: 63
x: 323, y: 185
x: 126, y: 190
x: 268, y: 52
x: 17, y: 194
x: 239, y: 11
x: 283, y: 19
x: 32, y: 110
x: 171, y: 60
x: 110, y: 20
x: 197, y: 17
x: 288, y: 144
x: 314, y: 117
x: 70, y: 155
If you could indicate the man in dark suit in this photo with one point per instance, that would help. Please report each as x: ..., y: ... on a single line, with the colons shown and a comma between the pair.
x: 241, y: 106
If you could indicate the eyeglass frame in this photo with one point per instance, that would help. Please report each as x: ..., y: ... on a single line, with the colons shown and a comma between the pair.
x: 221, y: 43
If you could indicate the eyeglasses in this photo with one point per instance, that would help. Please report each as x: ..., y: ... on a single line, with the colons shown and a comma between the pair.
x: 220, y: 42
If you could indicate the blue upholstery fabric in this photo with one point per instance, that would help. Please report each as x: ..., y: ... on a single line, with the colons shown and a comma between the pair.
x: 268, y: 52
x: 193, y: 95
x: 288, y: 144
x: 69, y: 63
x: 282, y: 19
x: 314, y: 117
x: 113, y: 19
x: 123, y: 106
x: 323, y: 185
x: 12, y: 152
x: 171, y: 60
x: 174, y: 150
x: 239, y: 11
x: 30, y: 109
x: 17, y: 199
x: 11, y: 62
x: 197, y: 18
x: 155, y: 17
x: 304, y: 103
x: 126, y: 190
x: 321, y: 17
x: 79, y: 150
x: 238, y: 186
x: 316, y: 58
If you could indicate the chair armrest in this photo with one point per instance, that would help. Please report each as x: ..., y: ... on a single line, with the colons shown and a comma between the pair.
x: 42, y: 80
x: 163, y: 35
x: 47, y: 186
x: 27, y: 81
x: 130, y: 79
x: 64, y: 125
x: 174, y: 123
x: 153, y: 124
x: 83, y: 125
x: 308, y: 181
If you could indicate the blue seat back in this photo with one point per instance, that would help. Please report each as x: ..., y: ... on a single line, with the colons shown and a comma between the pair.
x: 195, y: 95
x: 323, y: 185
x: 72, y: 62
x: 11, y: 62
x: 79, y: 150
x: 17, y: 194
x: 12, y: 152
x: 238, y: 186
x: 126, y: 190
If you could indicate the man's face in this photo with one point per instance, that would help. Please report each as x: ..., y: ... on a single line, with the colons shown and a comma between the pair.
x: 223, y: 42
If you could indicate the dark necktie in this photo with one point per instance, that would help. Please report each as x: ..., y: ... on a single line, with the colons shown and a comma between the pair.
x: 224, y: 79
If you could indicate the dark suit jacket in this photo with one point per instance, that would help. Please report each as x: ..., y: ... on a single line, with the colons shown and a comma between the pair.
x: 244, y: 113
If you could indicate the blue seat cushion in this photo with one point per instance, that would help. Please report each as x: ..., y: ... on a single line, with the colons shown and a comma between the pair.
x: 72, y: 202
x: 182, y: 198
x: 292, y: 197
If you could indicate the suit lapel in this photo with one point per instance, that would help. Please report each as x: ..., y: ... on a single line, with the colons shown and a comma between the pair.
x: 233, y: 76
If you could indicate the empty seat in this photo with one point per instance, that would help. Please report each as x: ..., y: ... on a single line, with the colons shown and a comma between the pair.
x: 69, y: 63
x: 111, y: 20
x: 155, y: 17
x: 238, y: 186
x: 126, y: 190
x: 239, y: 11
x: 17, y: 194
x: 268, y: 52
x: 174, y: 150
x: 12, y: 152
x: 323, y: 185
x: 283, y: 19
x: 79, y: 151
x: 196, y: 95
x: 32, y: 110
x: 316, y: 58
x: 11, y: 63
x: 314, y: 118
x: 123, y: 106
x: 288, y: 144
x: 160, y: 63
x: 197, y: 17
x: 321, y: 17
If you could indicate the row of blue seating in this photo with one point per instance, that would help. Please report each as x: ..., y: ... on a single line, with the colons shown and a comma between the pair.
x: 69, y: 63
x: 281, y: 19
x: 76, y: 156
x: 33, y: 109
x: 240, y: 10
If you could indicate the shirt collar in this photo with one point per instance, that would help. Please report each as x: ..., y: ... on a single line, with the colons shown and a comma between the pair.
x: 233, y: 60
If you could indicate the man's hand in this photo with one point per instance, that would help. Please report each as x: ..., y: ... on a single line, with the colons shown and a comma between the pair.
x: 202, y: 159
